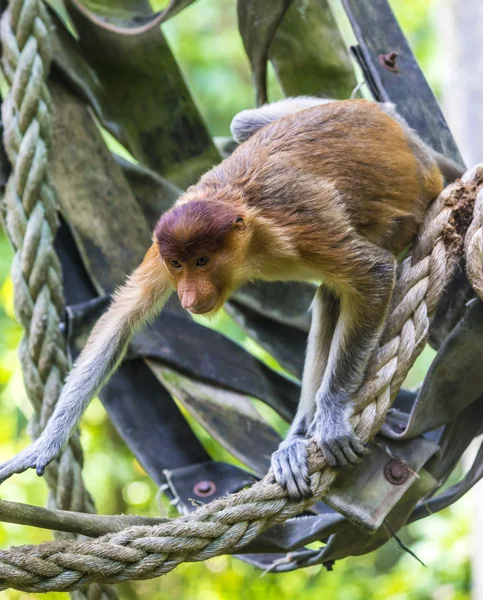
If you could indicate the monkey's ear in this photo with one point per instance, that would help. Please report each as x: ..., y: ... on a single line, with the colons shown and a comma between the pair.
x: 240, y: 223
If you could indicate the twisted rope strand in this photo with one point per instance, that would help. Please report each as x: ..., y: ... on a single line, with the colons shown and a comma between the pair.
x: 226, y: 525
x: 31, y: 223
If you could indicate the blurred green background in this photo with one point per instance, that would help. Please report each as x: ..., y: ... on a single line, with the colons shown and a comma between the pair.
x: 205, y: 41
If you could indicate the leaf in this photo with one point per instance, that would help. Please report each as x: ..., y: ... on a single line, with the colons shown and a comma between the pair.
x: 286, y: 303
x: 286, y: 344
x: 109, y: 227
x: 154, y: 194
x: 378, y: 33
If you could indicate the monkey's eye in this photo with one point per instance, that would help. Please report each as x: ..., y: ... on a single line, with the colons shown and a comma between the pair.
x: 175, y: 264
x: 202, y: 261
x: 240, y: 223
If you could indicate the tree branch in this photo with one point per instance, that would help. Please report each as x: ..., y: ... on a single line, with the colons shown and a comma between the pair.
x: 90, y: 525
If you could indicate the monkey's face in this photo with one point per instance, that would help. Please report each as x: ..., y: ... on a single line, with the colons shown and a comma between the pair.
x: 204, y: 247
x: 201, y: 282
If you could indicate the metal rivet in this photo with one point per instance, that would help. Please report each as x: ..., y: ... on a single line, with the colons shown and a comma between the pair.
x: 396, y: 472
x: 388, y: 61
x: 204, y: 488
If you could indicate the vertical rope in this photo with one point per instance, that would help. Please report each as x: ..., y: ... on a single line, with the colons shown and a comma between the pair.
x: 31, y: 223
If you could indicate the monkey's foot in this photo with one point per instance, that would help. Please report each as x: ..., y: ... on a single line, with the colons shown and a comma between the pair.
x: 340, y: 445
x: 290, y: 468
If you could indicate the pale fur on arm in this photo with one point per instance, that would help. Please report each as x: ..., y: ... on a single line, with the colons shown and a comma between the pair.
x: 142, y: 297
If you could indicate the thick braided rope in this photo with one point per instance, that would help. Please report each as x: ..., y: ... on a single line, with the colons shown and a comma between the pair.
x: 228, y: 524
x: 474, y: 236
x: 31, y: 223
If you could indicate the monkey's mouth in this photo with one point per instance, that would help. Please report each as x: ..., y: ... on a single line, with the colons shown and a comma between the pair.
x: 202, y: 309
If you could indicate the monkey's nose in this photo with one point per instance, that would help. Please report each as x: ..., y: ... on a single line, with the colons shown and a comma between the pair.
x: 188, y: 299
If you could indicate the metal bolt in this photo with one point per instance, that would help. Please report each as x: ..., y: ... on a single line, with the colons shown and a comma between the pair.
x: 204, y: 488
x: 388, y: 61
x: 396, y: 472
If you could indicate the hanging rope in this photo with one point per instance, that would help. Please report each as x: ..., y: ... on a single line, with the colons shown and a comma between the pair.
x: 228, y: 524
x: 31, y: 223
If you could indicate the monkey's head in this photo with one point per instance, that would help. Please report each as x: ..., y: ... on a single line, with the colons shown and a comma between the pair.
x: 203, y: 244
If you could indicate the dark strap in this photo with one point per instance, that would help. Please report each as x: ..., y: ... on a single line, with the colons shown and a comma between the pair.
x: 454, y: 380
x: 378, y: 35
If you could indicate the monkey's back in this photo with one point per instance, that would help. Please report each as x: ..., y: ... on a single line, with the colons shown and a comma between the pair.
x: 345, y: 157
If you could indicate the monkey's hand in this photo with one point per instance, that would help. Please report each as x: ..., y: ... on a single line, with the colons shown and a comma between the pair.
x: 335, y: 436
x: 290, y: 467
x: 36, y: 456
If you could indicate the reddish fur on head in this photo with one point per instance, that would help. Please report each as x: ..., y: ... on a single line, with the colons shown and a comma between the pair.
x: 194, y: 227
x: 205, y: 230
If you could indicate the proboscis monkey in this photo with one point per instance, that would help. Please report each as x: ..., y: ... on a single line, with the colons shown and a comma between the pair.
x: 326, y: 191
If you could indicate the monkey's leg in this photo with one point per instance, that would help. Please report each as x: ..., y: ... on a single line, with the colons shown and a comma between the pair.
x: 363, y: 309
x: 289, y: 462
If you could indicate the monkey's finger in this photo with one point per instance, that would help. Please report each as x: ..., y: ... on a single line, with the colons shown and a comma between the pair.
x: 291, y: 471
x: 358, y: 447
x: 297, y: 488
x: 351, y: 455
x: 298, y: 459
x: 284, y: 476
x: 300, y: 469
x: 329, y: 457
x: 280, y: 470
x: 23, y: 461
x: 336, y: 447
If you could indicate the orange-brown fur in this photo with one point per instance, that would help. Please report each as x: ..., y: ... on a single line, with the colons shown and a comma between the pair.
x: 146, y: 284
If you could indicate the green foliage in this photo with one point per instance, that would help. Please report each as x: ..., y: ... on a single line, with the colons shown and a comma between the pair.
x: 210, y: 52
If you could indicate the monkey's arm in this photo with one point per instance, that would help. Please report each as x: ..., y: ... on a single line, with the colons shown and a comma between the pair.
x: 363, y: 308
x: 346, y: 327
x: 142, y: 296
x: 289, y: 462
